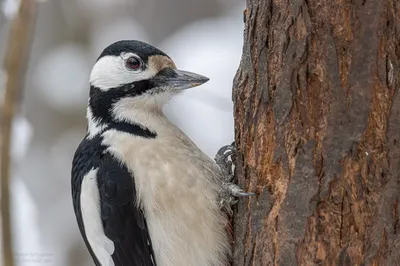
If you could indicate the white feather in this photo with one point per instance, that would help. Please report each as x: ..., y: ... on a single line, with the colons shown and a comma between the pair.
x: 110, y: 72
x: 90, y: 208
x: 177, y: 186
x: 127, y: 109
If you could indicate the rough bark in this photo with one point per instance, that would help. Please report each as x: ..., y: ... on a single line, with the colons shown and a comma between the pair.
x: 317, y: 126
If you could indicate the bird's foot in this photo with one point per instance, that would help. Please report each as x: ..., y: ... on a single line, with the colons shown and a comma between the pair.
x: 230, y: 192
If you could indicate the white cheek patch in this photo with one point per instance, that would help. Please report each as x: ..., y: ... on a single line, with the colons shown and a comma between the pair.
x: 110, y: 72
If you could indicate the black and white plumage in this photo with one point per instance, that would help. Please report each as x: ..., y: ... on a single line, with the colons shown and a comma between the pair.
x: 143, y: 192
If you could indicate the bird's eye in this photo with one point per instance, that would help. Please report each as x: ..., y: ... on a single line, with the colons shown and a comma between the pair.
x: 133, y: 63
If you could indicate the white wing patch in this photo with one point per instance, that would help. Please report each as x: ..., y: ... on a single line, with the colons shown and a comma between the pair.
x: 102, y: 247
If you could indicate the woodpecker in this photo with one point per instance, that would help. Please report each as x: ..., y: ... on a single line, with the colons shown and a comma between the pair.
x: 143, y: 193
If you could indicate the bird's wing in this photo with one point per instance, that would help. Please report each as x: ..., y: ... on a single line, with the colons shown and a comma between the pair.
x: 123, y: 221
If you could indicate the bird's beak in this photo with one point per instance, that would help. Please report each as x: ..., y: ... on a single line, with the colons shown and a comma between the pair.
x: 178, y: 79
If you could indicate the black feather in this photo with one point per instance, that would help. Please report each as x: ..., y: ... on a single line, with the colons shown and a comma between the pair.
x: 143, y: 50
x: 123, y: 221
x: 101, y: 102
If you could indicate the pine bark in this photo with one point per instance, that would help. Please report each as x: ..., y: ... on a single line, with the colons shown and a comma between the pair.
x: 317, y: 127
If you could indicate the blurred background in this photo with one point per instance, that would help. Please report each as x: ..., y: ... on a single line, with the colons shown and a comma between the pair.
x: 200, y: 36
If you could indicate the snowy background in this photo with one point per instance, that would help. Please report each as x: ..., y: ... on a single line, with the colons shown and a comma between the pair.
x: 201, y: 36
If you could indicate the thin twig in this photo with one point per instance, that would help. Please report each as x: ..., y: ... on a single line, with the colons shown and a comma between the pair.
x: 17, y: 56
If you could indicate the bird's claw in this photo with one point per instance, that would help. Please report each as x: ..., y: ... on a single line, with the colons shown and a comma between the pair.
x: 236, y: 191
x: 229, y: 191
x: 224, y: 160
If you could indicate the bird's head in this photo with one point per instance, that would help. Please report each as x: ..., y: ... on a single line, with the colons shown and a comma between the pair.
x: 137, y: 74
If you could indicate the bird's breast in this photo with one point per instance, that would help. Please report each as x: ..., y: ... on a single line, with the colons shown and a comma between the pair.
x: 177, y: 188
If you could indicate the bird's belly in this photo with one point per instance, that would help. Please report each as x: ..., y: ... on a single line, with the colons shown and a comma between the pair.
x: 180, y: 203
x: 185, y: 230
x: 179, y: 199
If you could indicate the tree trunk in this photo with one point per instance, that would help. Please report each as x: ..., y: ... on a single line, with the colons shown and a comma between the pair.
x: 317, y: 125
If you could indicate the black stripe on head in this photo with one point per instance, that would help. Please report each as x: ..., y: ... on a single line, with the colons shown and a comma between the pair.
x: 143, y: 50
x: 101, y: 102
